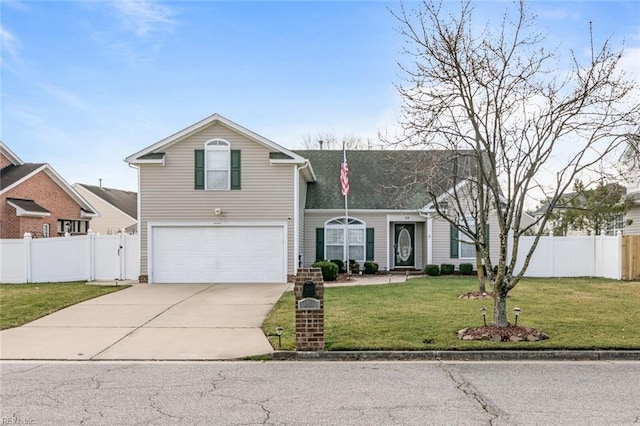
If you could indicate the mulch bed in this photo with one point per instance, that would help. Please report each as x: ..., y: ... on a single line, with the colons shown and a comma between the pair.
x: 476, y: 295
x: 511, y: 333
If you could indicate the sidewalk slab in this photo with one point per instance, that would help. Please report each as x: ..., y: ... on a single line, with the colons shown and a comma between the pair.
x: 188, y: 344
x: 69, y: 343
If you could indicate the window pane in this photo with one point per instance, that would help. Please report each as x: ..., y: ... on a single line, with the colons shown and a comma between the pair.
x: 334, y: 252
x: 217, y: 160
x: 356, y: 236
x: 356, y: 253
x: 467, y: 250
x: 217, y: 179
x: 334, y: 236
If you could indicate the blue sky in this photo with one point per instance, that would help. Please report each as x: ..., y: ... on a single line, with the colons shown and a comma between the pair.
x: 86, y: 83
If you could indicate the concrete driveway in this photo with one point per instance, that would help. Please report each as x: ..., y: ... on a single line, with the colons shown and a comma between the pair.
x: 152, y: 322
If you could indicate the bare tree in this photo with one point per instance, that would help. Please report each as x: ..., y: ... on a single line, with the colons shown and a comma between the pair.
x: 496, y: 98
x: 331, y: 141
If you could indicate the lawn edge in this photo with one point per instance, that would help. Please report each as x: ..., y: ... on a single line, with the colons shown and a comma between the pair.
x: 501, y: 355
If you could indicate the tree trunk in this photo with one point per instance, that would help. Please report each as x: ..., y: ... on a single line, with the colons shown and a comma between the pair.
x: 500, y: 309
x: 481, y: 286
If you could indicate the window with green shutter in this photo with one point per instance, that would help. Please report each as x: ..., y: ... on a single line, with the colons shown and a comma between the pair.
x: 319, y: 244
x: 453, y: 242
x: 199, y: 169
x: 217, y: 167
x: 235, y: 169
x: 370, y: 243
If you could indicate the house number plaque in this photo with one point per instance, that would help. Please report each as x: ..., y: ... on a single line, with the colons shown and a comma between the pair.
x: 309, y: 304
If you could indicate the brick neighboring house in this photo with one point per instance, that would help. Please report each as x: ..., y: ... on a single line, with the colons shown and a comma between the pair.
x: 35, y: 198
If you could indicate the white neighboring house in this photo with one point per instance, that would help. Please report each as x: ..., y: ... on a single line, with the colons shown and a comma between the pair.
x: 118, y: 208
x: 631, y: 162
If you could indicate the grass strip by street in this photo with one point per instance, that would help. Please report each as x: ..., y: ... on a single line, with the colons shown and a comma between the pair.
x: 23, y: 303
x: 425, y: 314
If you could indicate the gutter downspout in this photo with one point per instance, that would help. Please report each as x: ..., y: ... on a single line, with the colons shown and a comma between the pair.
x: 296, y: 215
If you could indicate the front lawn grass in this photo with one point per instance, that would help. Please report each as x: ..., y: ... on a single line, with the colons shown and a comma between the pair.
x: 22, y: 303
x: 425, y: 314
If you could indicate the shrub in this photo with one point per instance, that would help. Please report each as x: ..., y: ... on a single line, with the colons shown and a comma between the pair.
x: 329, y: 270
x: 339, y: 263
x: 370, y: 267
x: 354, y: 266
x: 466, y: 268
x: 432, y: 270
x: 447, y: 269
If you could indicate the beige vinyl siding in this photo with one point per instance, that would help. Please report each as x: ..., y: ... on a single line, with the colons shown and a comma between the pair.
x: 377, y: 221
x: 167, y: 192
x: 441, y: 242
x: 111, y: 219
x: 634, y: 215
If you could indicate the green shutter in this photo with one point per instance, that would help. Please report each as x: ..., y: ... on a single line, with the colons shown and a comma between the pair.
x: 199, y: 169
x: 370, y: 243
x: 235, y: 169
x: 453, y: 242
x: 319, y: 244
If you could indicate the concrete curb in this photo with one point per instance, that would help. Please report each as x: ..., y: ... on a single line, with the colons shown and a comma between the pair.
x: 542, y: 355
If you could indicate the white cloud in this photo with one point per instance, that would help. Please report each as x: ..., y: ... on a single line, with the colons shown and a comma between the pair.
x: 630, y: 63
x: 142, y: 16
x: 64, y: 96
x: 9, y: 45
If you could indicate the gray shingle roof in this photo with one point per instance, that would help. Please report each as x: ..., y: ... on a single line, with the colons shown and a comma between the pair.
x: 28, y: 205
x: 379, y: 179
x: 13, y: 173
x: 126, y: 201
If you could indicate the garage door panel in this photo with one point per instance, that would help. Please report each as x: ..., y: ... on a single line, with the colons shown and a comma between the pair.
x: 218, y: 254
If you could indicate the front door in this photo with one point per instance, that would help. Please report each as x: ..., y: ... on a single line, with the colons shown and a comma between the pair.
x: 405, y: 245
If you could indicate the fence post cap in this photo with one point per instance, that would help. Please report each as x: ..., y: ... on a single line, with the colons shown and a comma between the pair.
x: 27, y: 235
x: 90, y: 232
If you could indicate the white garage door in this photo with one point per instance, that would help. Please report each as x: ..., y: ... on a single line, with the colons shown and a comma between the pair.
x: 221, y: 254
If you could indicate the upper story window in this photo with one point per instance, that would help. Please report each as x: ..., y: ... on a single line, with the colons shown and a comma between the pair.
x: 217, y: 164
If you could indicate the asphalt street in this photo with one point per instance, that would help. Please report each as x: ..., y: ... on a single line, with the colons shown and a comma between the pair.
x: 320, y: 393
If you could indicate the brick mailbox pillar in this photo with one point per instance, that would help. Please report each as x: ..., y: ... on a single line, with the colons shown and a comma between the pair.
x: 309, y: 292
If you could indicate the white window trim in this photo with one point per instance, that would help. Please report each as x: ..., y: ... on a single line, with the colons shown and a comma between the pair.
x: 216, y: 145
x: 46, y: 230
x: 354, y: 223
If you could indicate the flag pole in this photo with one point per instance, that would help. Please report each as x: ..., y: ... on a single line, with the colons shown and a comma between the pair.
x: 345, y: 191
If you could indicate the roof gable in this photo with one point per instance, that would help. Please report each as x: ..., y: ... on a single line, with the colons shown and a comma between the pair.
x: 12, y: 176
x: 10, y: 155
x: 157, y: 148
x: 125, y: 201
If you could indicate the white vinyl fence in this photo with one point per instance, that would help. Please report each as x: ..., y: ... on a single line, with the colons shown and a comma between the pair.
x: 582, y: 256
x: 78, y: 258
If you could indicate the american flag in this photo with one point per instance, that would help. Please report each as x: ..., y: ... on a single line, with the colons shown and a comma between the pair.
x: 344, y: 174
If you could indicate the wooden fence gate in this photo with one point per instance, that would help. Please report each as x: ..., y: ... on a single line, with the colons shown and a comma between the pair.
x: 631, y: 257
